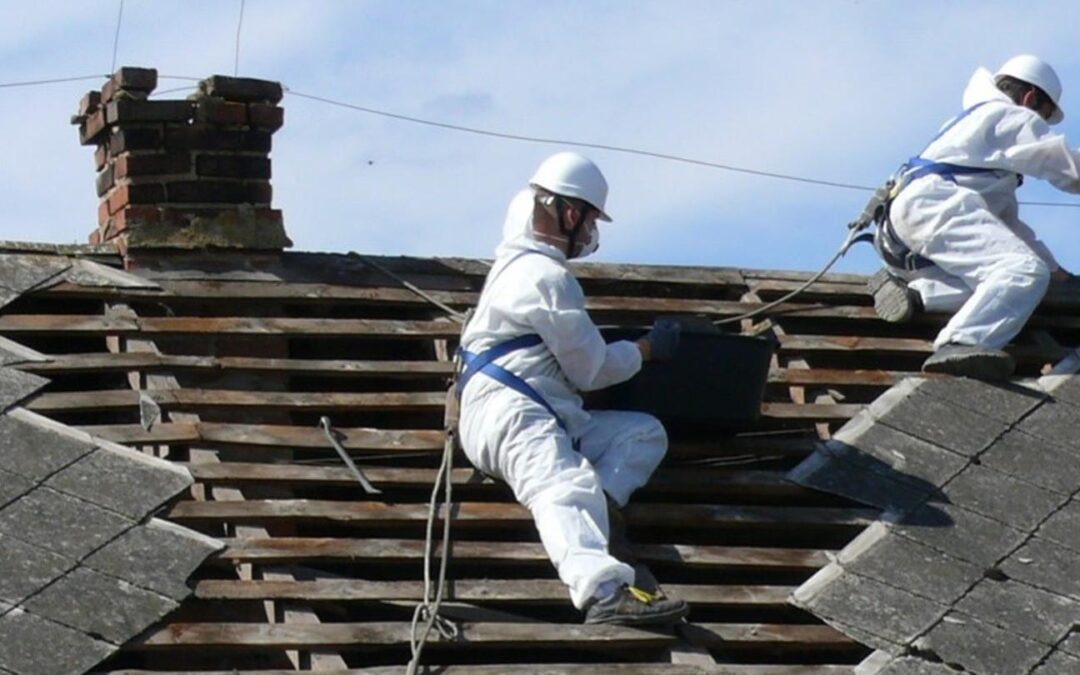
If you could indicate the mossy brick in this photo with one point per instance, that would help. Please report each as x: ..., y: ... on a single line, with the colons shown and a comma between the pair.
x: 240, y: 227
x: 125, y: 482
x: 1046, y: 565
x: 32, y: 645
x: 1063, y: 527
x: 244, y: 89
x: 142, y: 80
x: 126, y: 110
x: 266, y: 117
x: 1056, y: 422
x: 152, y: 165
x: 938, y: 421
x: 201, y: 137
x: 1019, y: 608
x: 233, y: 166
x: 1035, y: 460
x: 959, y: 533
x: 979, y: 647
x: 1001, y: 497
x: 62, y: 524
x: 34, y: 452
x: 77, y: 600
x: 25, y: 569
x: 159, y: 556
x: 1004, y: 401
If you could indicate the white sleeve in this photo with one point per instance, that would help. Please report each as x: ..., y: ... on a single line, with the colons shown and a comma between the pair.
x: 559, y: 317
x: 1033, y: 149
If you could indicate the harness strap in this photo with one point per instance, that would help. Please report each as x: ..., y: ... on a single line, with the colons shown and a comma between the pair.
x: 485, y: 363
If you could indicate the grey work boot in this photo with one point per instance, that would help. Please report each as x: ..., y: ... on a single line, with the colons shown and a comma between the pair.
x: 631, y: 606
x: 893, y: 300
x: 980, y: 363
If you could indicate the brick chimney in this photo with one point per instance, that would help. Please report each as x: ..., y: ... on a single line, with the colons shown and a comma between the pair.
x: 184, y: 174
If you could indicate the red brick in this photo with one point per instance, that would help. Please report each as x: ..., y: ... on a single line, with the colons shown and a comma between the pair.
x: 127, y: 110
x: 135, y: 138
x: 148, y: 193
x: 265, y: 116
x: 103, y: 212
x: 205, y: 192
x: 217, y: 111
x: 141, y: 80
x: 152, y: 165
x: 90, y: 102
x: 101, y: 156
x: 258, y: 193
x: 208, y: 138
x: 92, y: 128
x: 232, y: 166
x: 95, y: 238
x: 135, y: 216
x: 104, y: 181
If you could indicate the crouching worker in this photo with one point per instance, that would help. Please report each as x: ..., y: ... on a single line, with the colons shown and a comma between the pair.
x: 528, y: 350
x: 954, y: 241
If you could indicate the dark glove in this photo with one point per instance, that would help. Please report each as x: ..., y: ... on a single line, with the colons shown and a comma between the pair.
x: 663, y: 339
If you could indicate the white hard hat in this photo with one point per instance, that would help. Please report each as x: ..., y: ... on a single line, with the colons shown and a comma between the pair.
x: 571, y: 175
x: 1034, y: 70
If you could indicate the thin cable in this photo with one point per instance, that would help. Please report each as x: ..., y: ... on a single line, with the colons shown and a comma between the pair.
x: 455, y: 315
x: 239, y: 25
x: 116, y: 37
x: 34, y: 83
x: 579, y: 144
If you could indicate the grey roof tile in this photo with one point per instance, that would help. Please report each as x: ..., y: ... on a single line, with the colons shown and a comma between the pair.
x: 1056, y: 422
x: 899, y: 455
x: 63, y: 524
x: 26, y: 569
x: 937, y: 421
x: 1046, y: 565
x: 1071, y: 644
x: 903, y: 563
x: 1001, y: 497
x: 33, y: 451
x: 100, y: 605
x: 13, y: 486
x: 1058, y: 663
x: 885, y: 617
x: 31, y: 645
x: 19, y: 272
x: 1063, y: 527
x: 159, y: 556
x: 961, y: 533
x: 830, y: 470
x: 1035, y: 460
x: 981, y: 648
x: 16, y: 385
x: 1004, y: 401
x: 1063, y: 388
x: 122, y: 480
x: 913, y: 665
x: 1022, y: 609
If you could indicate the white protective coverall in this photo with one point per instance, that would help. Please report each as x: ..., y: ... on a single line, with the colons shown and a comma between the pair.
x: 989, y: 267
x: 509, y: 436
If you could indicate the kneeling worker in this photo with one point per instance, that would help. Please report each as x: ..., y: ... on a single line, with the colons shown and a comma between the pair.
x: 954, y: 242
x: 528, y: 350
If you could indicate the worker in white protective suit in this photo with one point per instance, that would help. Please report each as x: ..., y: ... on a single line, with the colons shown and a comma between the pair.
x: 954, y: 241
x: 521, y: 417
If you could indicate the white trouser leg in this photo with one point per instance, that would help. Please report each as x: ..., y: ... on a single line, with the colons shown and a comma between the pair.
x: 939, y: 291
x: 625, y: 448
x: 520, y: 442
x: 966, y: 241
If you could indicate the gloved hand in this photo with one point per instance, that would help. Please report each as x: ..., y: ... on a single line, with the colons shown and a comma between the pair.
x: 663, y: 339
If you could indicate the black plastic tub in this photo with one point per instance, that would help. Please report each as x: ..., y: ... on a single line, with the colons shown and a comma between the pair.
x: 715, y: 381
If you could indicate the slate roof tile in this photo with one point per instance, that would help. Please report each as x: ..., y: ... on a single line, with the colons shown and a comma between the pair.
x: 26, y: 569
x: 12, y: 486
x: 1044, y: 564
x: 1035, y: 460
x: 1063, y: 527
x: 1058, y: 663
x: 35, y: 452
x: 67, y: 651
x: 1022, y: 609
x: 65, y: 525
x: 1055, y: 422
x: 1001, y: 497
x: 16, y: 385
x: 100, y: 605
x: 935, y: 420
x: 980, y: 647
x: 961, y: 533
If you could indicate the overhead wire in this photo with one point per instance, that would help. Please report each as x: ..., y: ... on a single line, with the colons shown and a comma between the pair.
x: 239, y: 25
x: 116, y: 36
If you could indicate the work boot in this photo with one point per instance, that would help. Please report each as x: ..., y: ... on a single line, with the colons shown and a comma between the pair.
x: 631, y: 606
x: 980, y: 363
x: 620, y: 548
x: 893, y: 300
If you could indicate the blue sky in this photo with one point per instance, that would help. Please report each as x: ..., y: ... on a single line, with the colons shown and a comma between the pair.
x: 831, y: 89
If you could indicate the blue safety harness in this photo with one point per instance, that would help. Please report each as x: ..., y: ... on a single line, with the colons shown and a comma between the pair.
x: 484, y: 362
x: 889, y: 246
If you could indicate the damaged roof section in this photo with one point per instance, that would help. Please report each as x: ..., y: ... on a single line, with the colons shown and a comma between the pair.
x: 976, y: 561
x: 85, y: 567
